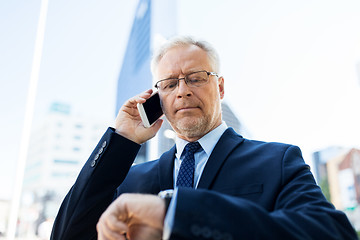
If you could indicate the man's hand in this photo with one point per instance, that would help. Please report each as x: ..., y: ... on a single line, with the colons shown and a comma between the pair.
x: 128, y: 122
x: 134, y: 217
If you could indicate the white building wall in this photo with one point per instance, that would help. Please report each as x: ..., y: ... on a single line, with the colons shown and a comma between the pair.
x: 58, y: 150
x: 347, y: 188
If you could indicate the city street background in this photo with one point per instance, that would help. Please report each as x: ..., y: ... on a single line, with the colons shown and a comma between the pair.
x: 291, y: 68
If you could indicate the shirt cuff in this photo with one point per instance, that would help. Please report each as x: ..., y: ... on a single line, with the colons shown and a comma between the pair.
x: 170, y: 217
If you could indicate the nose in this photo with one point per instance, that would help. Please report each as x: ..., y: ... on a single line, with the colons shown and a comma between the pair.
x: 183, y: 89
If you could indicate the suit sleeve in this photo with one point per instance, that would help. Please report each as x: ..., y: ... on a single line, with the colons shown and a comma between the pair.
x: 300, y: 211
x: 94, y: 188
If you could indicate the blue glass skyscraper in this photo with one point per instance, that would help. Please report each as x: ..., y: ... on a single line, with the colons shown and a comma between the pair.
x: 135, y: 75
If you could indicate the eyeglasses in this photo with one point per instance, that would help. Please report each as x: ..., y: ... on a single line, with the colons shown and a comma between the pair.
x: 195, y: 79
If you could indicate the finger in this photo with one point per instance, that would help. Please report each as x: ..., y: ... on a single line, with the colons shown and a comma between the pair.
x: 114, y: 224
x: 130, y: 107
x: 113, y: 235
x: 146, y: 94
x: 100, y: 236
x: 103, y: 236
x: 156, y: 126
x: 141, y: 98
x: 141, y: 232
x: 109, y: 225
x: 105, y: 232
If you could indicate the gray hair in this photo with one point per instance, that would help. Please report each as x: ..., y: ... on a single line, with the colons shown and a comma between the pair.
x: 185, y: 41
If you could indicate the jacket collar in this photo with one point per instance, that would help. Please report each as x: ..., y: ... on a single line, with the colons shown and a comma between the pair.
x: 228, y: 141
x: 166, y: 169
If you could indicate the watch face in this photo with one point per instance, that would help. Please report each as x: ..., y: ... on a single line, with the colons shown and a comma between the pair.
x: 166, y: 193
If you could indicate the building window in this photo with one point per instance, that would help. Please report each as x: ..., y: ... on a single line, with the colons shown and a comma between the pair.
x: 76, y: 149
x: 62, y: 174
x: 62, y: 161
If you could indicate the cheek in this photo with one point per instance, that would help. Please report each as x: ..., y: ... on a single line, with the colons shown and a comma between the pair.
x: 165, y: 104
x: 212, y: 104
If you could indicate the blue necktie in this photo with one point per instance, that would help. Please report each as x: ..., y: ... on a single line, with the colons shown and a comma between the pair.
x: 185, y: 176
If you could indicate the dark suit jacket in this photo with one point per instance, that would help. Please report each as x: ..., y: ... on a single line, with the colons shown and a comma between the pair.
x: 248, y: 190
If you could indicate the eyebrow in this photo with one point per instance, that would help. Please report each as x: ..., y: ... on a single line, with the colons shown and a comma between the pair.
x: 172, y: 76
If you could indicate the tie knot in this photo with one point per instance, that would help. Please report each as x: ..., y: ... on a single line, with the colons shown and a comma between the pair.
x: 192, y: 147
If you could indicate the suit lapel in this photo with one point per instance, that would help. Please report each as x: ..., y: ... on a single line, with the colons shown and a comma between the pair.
x: 166, y: 169
x: 228, y: 141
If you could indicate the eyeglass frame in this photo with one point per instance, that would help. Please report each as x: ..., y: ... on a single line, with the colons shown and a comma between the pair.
x: 185, y: 78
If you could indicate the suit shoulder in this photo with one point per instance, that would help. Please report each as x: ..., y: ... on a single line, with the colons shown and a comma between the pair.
x: 259, y: 142
x: 233, y: 134
x: 275, y: 146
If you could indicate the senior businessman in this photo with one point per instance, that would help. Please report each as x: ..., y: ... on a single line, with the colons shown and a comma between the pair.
x: 212, y: 184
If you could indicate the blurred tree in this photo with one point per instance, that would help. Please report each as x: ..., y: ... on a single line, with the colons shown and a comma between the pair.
x: 324, y: 185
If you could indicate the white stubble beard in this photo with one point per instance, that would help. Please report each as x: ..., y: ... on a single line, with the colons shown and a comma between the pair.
x: 194, y: 128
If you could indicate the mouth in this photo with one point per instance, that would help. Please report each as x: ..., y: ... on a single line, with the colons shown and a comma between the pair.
x: 186, y: 109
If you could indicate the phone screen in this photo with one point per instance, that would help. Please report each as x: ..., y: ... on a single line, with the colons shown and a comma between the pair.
x: 152, y: 108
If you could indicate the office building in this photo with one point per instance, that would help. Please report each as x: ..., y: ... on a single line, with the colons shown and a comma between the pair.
x: 321, y: 157
x: 58, y: 149
x: 344, y: 184
x: 344, y: 179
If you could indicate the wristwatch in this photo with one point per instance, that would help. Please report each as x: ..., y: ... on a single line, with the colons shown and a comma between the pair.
x: 167, y: 196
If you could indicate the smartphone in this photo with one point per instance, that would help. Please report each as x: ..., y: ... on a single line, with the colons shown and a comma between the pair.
x: 151, y: 110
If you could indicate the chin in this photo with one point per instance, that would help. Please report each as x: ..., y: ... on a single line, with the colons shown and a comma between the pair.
x: 194, y: 128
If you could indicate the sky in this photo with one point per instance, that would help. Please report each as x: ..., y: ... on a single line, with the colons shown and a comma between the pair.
x: 291, y: 67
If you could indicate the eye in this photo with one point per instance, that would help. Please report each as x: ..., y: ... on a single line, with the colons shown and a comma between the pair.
x: 196, y: 78
x: 170, y: 84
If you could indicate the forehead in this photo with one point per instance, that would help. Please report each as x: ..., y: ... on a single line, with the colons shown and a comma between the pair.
x: 182, y: 60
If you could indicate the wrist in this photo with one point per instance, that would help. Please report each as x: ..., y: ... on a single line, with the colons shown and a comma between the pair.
x: 128, y: 136
x: 166, y: 195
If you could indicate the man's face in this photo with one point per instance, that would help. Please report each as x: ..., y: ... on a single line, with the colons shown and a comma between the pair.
x: 191, y: 111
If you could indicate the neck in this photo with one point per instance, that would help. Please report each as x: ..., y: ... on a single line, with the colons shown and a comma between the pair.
x: 194, y: 138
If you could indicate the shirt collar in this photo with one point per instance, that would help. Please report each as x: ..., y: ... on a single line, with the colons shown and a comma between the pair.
x: 207, y: 142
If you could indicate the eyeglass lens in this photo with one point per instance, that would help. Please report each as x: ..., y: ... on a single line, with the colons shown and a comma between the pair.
x: 192, y: 80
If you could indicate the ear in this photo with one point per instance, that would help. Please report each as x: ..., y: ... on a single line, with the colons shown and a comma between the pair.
x: 221, y: 87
